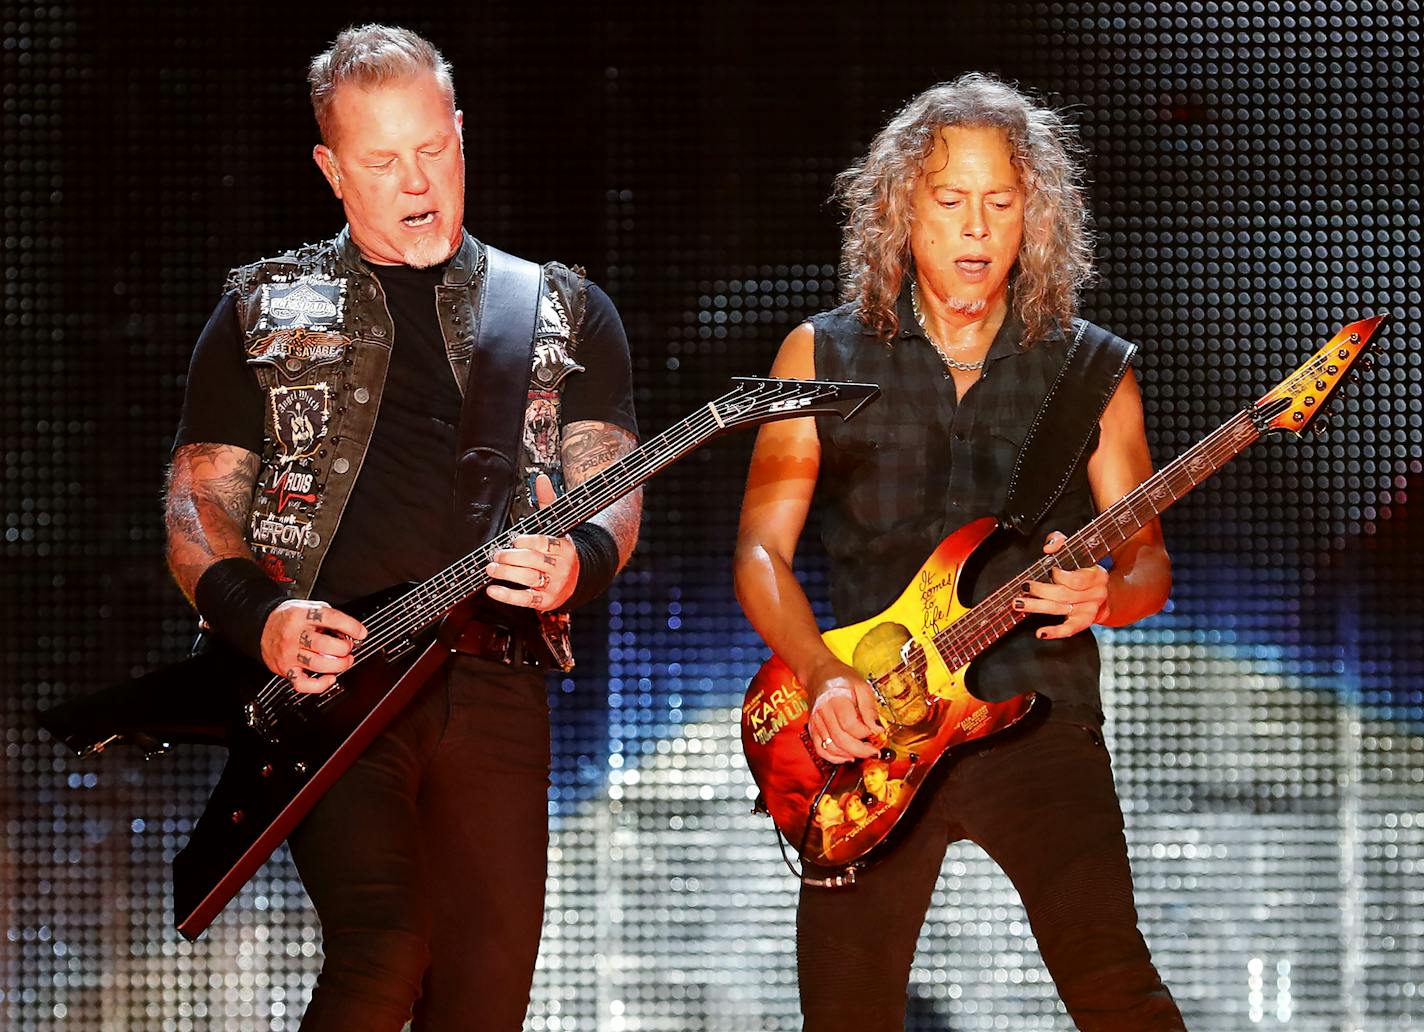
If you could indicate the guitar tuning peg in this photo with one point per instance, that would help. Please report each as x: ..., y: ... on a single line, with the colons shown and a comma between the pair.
x: 1319, y: 427
x: 1365, y: 364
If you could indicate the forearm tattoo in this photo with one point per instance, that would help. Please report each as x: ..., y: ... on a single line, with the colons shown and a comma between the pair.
x: 589, y: 448
x: 207, y: 499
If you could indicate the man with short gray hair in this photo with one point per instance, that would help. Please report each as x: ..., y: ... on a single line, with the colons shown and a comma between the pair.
x: 288, y: 499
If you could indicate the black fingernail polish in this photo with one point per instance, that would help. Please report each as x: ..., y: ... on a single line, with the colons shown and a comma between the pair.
x: 1026, y: 587
x: 1018, y: 603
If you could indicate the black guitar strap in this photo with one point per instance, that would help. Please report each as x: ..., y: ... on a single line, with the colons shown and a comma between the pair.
x: 1064, y: 424
x: 488, y: 446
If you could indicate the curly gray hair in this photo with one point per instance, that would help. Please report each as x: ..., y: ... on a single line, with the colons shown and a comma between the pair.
x: 1055, y: 258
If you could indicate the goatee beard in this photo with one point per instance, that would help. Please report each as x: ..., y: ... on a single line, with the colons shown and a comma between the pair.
x: 963, y: 307
x: 428, y: 253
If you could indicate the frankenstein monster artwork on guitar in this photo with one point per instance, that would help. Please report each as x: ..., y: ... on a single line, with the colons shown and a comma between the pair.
x: 916, y: 653
x: 285, y: 748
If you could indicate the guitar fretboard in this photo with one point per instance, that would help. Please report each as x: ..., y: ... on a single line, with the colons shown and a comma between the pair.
x: 995, y: 615
x: 753, y: 401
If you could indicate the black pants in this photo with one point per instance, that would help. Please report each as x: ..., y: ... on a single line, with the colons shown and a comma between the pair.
x: 1044, y: 807
x: 426, y: 861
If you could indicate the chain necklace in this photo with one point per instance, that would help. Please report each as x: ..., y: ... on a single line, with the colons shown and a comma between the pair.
x: 940, y: 349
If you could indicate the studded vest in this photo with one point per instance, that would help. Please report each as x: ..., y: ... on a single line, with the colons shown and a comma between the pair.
x: 318, y: 335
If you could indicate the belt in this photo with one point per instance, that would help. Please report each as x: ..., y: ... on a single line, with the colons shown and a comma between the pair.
x: 498, y: 644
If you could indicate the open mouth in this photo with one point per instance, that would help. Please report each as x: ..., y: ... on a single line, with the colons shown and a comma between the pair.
x: 425, y: 218
x: 973, y: 264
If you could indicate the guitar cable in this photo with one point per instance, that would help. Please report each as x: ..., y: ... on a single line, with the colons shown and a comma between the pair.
x: 846, y: 875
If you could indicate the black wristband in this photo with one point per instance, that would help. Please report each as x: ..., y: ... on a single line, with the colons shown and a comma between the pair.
x: 235, y: 597
x: 598, y: 563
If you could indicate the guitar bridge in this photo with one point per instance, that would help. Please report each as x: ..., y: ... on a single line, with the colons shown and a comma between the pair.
x: 259, y: 720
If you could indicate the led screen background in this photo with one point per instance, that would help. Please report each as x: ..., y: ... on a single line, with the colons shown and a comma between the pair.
x: 1254, y: 172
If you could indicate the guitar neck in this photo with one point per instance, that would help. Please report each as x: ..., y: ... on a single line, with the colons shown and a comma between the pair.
x: 1140, y: 506
x: 433, y: 598
x: 751, y: 402
x: 995, y: 616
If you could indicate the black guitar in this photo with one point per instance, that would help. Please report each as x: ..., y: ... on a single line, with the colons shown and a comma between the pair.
x: 286, y: 748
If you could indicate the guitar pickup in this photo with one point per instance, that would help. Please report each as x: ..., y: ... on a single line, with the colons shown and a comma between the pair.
x: 398, y: 648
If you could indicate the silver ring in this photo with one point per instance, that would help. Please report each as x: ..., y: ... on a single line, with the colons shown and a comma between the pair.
x: 826, y: 742
x: 543, y: 581
x: 1070, y: 610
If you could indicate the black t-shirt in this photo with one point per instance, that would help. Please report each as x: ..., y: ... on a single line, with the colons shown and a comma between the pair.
x: 394, y: 522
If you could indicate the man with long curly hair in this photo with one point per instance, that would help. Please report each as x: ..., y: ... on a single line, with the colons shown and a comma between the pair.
x: 965, y: 249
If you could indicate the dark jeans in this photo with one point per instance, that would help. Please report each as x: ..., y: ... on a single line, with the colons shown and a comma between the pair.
x: 426, y: 861
x: 1044, y: 807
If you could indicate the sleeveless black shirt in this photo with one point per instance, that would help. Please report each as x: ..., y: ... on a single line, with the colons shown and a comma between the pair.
x: 920, y: 463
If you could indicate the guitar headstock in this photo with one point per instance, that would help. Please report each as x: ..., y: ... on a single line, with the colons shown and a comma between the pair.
x: 1295, y: 403
x: 755, y: 399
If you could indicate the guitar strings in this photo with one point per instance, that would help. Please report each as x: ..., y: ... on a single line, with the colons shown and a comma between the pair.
x: 1219, y: 446
x: 984, y: 624
x: 994, y: 616
x: 467, y: 576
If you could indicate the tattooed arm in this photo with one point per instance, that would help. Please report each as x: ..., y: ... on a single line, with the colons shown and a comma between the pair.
x: 548, y: 567
x: 208, y: 499
x: 590, y: 447
x: 208, y: 496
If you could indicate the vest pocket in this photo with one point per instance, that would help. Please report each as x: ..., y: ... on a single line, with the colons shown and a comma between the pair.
x: 884, y: 474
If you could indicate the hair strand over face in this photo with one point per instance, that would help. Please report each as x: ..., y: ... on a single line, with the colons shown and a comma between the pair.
x: 1055, y: 260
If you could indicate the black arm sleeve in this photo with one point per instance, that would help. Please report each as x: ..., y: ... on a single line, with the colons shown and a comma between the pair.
x: 223, y: 403
x: 604, y: 391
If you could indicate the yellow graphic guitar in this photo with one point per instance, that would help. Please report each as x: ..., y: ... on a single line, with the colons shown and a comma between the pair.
x: 916, y: 653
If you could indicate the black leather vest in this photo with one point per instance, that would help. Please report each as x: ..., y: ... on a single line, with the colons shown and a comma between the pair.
x: 318, y: 337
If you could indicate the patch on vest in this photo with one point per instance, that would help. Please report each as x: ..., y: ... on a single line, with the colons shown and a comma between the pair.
x: 274, y: 566
x: 541, y: 428
x: 552, y: 362
x: 279, y: 535
x: 299, y: 418
x: 553, y: 320
x: 294, y: 352
x: 311, y: 302
x: 295, y: 482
